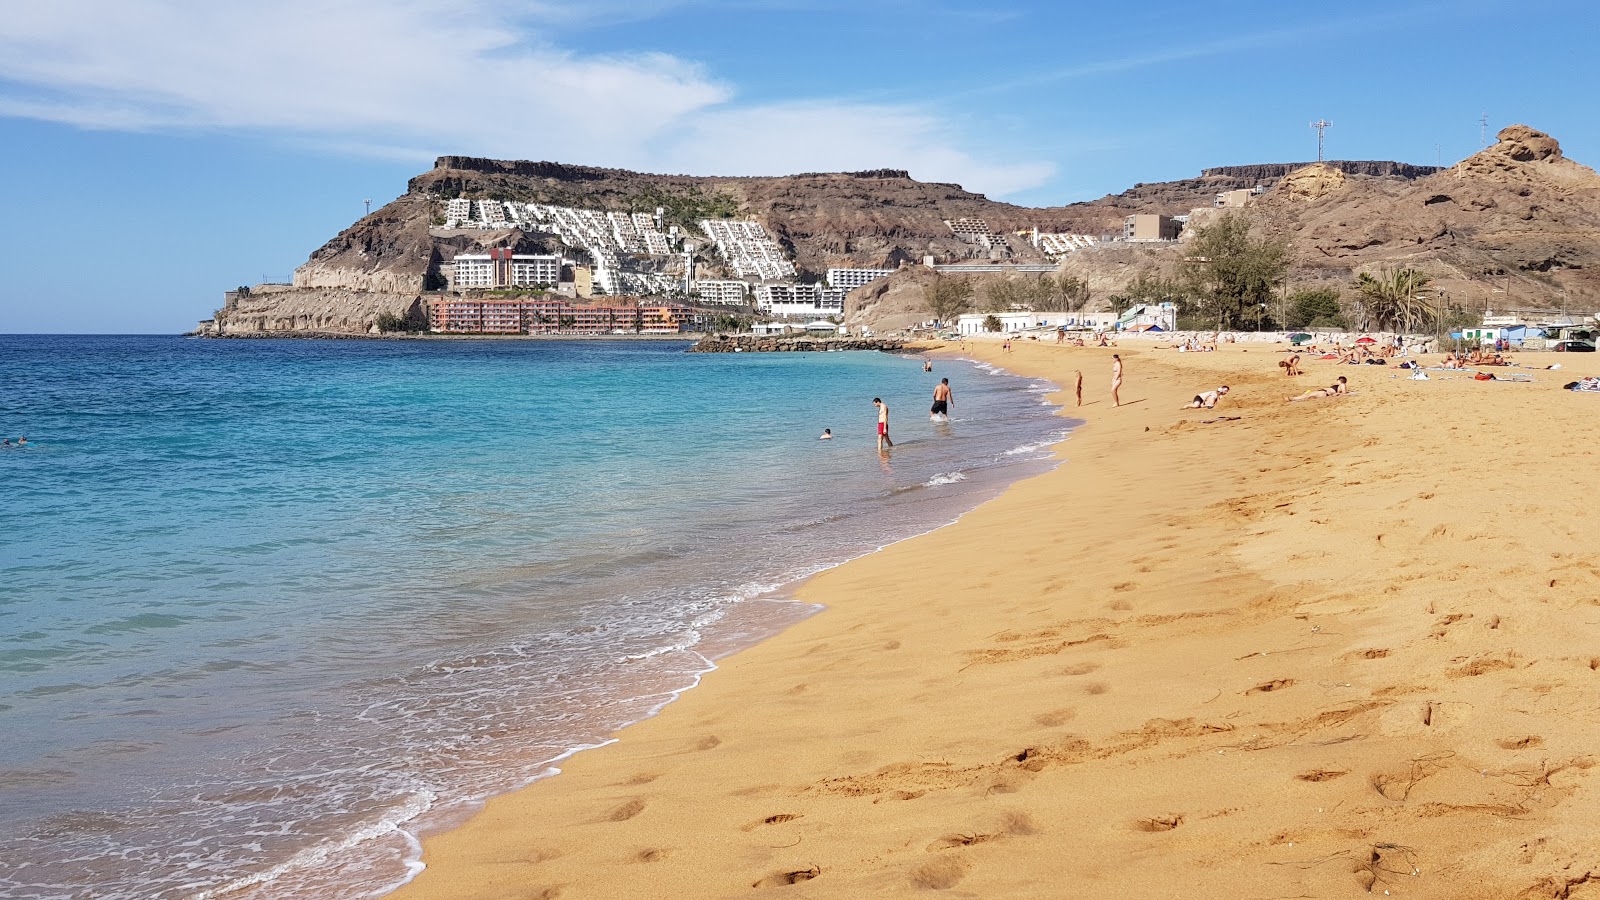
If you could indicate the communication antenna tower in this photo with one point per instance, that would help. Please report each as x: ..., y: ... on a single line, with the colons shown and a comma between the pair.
x: 1483, y: 131
x: 1321, y: 125
x: 368, y: 202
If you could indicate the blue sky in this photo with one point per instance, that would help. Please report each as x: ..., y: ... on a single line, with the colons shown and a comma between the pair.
x: 161, y: 151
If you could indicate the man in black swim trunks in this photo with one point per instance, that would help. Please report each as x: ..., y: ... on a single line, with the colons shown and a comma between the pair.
x: 942, y: 398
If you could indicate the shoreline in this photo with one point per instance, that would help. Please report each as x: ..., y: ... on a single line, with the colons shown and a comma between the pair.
x: 1277, y: 671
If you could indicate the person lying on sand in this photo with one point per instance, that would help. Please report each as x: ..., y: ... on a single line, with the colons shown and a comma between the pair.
x: 1207, y: 400
x: 1333, y: 390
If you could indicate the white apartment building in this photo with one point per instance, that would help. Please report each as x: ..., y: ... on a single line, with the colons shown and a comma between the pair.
x: 530, y: 270
x: 474, y: 271
x: 457, y: 211
x: 727, y: 293
x: 850, y: 279
x: 809, y: 300
x: 504, y: 269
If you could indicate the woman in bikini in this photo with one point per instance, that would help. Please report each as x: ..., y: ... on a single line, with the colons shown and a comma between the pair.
x: 1333, y: 390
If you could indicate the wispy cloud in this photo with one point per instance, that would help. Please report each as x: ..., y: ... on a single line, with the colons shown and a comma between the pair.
x: 1223, y: 46
x: 423, y: 77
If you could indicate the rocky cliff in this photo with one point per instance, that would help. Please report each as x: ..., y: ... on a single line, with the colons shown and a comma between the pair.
x: 1519, y: 209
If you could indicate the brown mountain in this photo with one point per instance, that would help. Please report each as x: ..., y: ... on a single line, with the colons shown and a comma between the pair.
x: 1518, y: 210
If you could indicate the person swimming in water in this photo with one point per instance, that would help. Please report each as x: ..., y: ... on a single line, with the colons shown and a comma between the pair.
x: 827, y: 435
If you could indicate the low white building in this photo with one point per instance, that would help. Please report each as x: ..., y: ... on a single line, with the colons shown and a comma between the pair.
x: 800, y: 300
x: 972, y: 323
x: 727, y: 293
x: 850, y: 279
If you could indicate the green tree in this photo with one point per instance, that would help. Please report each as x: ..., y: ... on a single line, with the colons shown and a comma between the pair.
x: 1005, y: 294
x: 1313, y: 308
x: 1231, y: 275
x: 992, y: 323
x: 1394, y: 300
x: 1150, y: 288
x: 1061, y: 293
x: 948, y: 298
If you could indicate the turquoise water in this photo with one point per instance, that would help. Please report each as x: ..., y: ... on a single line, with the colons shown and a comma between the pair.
x: 272, y: 608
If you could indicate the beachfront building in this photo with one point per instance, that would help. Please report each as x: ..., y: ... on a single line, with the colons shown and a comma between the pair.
x: 721, y: 293
x: 1150, y: 228
x: 1148, y: 317
x: 850, y: 279
x: 1027, y: 320
x: 500, y: 268
x: 552, y: 314
x: 800, y: 300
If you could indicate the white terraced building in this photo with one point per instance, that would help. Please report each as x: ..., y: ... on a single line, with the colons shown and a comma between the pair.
x: 457, y: 212
x: 1062, y: 244
x: 809, y: 300
x: 748, y: 249
x: 850, y: 279
x: 492, y: 213
x: 726, y: 293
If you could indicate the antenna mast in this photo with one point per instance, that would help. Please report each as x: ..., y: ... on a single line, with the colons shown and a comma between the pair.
x: 1483, y: 131
x: 1321, y: 125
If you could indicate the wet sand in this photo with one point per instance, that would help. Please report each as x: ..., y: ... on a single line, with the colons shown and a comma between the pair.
x: 1326, y: 649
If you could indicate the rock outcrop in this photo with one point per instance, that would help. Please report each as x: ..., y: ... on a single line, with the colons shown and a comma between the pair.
x: 1312, y: 182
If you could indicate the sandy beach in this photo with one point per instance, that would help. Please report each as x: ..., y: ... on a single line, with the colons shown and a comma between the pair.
x: 1326, y: 649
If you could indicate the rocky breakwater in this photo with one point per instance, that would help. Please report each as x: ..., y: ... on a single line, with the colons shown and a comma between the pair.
x: 749, y: 343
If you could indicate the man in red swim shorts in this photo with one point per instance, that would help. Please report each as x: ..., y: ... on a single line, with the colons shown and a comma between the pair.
x: 883, y: 424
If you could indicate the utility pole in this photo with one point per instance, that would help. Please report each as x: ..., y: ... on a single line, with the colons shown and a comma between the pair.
x: 1321, y: 125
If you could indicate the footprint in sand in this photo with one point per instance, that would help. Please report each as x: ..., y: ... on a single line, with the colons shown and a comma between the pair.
x: 1158, y: 823
x: 1056, y: 717
x: 626, y: 811
x: 940, y: 874
x: 788, y: 876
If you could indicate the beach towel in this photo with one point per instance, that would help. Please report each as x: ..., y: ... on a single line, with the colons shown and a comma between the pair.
x: 1586, y: 385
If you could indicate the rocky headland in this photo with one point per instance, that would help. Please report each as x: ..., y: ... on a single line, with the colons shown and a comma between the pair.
x: 1517, y: 217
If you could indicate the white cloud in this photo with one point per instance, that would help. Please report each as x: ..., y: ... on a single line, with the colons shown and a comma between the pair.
x: 428, y: 76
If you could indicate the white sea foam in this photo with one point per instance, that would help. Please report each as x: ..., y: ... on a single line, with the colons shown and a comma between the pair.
x: 945, y: 478
x: 388, y: 823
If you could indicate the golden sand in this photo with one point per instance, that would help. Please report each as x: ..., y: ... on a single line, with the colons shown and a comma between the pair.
x: 1326, y: 649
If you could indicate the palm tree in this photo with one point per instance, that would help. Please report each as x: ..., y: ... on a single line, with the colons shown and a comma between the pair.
x: 1393, y: 299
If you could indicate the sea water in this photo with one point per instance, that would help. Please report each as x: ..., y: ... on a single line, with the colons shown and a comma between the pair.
x: 270, y: 609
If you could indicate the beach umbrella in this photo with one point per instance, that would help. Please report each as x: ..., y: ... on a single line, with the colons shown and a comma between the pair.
x: 1300, y: 338
x: 1366, y: 340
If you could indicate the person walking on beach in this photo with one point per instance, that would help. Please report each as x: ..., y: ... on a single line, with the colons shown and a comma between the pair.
x: 1116, y: 379
x: 1078, y: 389
x: 883, y: 424
x: 942, y: 398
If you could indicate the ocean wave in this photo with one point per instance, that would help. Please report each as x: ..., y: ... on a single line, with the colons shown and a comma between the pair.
x: 945, y: 478
x: 388, y: 823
